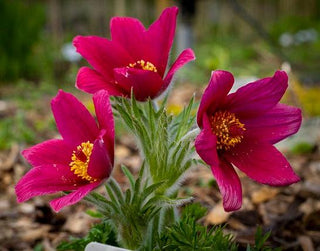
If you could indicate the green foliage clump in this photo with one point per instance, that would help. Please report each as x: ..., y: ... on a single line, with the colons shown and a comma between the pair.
x: 187, y: 234
x: 102, y: 233
x: 260, y: 239
x: 133, y: 213
x: 161, y: 137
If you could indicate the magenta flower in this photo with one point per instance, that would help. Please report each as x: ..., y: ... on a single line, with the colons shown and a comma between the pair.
x: 240, y: 129
x: 80, y: 161
x: 135, y: 57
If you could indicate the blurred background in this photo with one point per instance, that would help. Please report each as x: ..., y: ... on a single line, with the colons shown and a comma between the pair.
x: 249, y: 38
x: 252, y: 39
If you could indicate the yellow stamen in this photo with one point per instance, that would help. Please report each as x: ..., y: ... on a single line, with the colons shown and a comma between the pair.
x: 80, y: 161
x: 228, y: 129
x: 141, y: 64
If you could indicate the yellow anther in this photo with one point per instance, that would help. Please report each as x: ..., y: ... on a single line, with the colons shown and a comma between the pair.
x: 80, y: 161
x: 141, y: 64
x: 228, y: 129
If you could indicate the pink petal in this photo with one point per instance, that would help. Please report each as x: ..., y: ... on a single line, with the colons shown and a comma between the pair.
x: 75, y: 123
x: 130, y: 34
x: 219, y: 86
x: 160, y: 38
x: 91, y: 81
x: 100, y: 165
x: 122, y: 80
x: 102, y: 54
x: 186, y: 56
x: 274, y: 125
x: 263, y: 163
x: 55, y: 151
x: 257, y: 97
x: 46, y: 179
x: 206, y: 144
x: 229, y: 185
x: 145, y: 83
x: 74, y: 197
x: 105, y: 118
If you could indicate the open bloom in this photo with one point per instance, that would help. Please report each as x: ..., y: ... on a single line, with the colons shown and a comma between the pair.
x: 78, y: 162
x: 135, y: 57
x: 240, y: 129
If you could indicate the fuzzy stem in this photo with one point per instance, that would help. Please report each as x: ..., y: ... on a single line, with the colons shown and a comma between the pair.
x: 191, y: 134
x: 155, y: 105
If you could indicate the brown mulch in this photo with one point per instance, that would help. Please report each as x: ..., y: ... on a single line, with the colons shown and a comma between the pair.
x: 291, y: 213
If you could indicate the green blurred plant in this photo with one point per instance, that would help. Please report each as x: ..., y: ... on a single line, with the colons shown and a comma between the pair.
x: 309, y: 98
x: 20, y: 27
x: 227, y: 51
x: 15, y: 129
x: 302, y: 53
x: 302, y: 148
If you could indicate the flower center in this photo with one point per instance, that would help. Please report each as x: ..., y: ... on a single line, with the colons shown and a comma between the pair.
x: 228, y: 129
x: 80, y: 161
x: 141, y: 64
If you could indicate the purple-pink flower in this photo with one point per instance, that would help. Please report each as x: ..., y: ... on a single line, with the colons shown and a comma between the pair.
x: 135, y: 57
x: 239, y: 129
x: 78, y: 162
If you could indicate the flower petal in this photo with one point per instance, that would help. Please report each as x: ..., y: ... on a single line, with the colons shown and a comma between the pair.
x: 206, y: 144
x: 145, y: 83
x: 54, y: 151
x: 219, y: 86
x: 160, y: 38
x: 46, y: 179
x: 105, y: 118
x: 91, y: 81
x: 102, y: 54
x: 263, y: 163
x: 74, y: 197
x: 257, y: 97
x: 75, y: 123
x: 229, y: 185
x: 274, y: 125
x: 100, y: 165
x: 186, y: 56
x: 130, y: 34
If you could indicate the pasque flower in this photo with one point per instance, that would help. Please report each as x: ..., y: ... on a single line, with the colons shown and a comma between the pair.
x: 78, y: 162
x: 135, y: 57
x: 239, y: 129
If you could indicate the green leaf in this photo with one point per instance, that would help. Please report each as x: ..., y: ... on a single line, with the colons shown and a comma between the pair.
x: 94, y: 214
x: 116, y: 190
x: 128, y: 175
